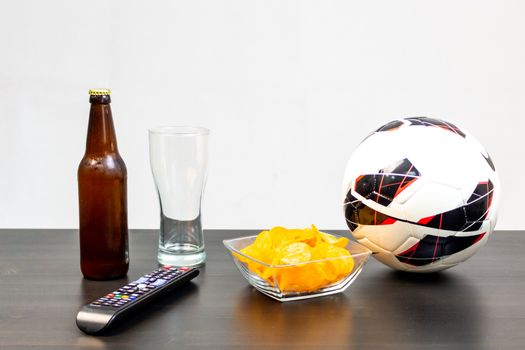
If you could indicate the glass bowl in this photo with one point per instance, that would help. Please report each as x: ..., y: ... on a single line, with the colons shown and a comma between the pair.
x: 277, y: 281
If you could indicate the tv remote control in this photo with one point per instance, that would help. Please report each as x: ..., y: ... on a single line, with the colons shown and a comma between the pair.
x: 99, y: 315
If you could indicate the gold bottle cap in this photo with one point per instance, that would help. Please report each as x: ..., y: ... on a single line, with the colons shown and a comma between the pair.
x: 99, y: 92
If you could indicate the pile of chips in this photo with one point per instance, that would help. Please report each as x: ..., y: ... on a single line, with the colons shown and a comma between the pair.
x: 298, y: 260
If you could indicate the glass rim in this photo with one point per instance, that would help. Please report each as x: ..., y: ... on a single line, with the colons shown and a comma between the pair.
x: 179, y: 130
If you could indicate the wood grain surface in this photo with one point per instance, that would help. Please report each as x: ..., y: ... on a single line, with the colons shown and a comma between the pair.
x: 479, y: 304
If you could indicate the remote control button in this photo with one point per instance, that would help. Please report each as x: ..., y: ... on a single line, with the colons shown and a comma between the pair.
x: 152, y: 279
x: 142, y: 286
x: 159, y: 282
x: 141, y: 280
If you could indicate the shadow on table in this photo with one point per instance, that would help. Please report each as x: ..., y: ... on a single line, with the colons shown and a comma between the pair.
x: 260, y: 320
x: 418, y: 311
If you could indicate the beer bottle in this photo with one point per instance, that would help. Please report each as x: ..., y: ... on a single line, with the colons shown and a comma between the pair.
x: 102, y: 196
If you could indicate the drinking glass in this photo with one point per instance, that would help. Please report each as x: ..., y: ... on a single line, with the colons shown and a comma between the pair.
x: 179, y: 159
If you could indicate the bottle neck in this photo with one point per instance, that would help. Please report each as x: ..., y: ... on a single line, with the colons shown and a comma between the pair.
x: 101, y: 138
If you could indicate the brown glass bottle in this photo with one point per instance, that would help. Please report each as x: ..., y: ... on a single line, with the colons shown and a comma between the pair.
x: 102, y: 193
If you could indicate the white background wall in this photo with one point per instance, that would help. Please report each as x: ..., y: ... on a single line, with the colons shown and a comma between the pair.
x: 288, y: 88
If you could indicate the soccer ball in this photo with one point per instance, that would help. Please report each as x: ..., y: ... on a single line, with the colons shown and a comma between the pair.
x: 421, y: 193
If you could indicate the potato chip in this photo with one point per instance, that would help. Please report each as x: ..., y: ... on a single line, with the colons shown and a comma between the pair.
x: 299, y: 260
x: 293, y: 253
x: 303, y: 278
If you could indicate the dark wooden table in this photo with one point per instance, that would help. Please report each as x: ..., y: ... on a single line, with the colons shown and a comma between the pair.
x: 479, y: 304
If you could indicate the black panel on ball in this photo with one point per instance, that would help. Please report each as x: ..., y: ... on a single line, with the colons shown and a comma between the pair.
x: 426, y: 121
x: 390, y: 181
x: 358, y: 213
x: 432, y: 248
x: 394, y: 124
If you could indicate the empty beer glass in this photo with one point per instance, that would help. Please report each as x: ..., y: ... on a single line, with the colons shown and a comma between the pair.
x: 179, y: 158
